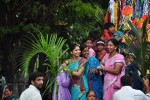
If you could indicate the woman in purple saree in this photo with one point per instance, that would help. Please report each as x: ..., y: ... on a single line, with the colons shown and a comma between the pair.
x: 114, y: 68
x: 61, y: 91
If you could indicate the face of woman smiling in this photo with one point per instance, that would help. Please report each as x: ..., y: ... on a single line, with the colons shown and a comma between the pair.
x: 76, y: 51
x: 111, y: 47
x: 85, y: 52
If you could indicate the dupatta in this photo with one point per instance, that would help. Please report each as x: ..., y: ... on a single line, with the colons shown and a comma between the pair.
x: 61, y: 91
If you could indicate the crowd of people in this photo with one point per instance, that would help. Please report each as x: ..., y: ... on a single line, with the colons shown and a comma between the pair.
x: 100, y: 70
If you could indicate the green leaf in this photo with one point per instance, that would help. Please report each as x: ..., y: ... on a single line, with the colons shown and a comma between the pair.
x: 49, y: 45
x: 139, y: 50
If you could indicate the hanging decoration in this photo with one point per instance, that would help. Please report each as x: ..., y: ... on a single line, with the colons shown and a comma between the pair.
x: 122, y: 10
x: 138, y: 8
x: 148, y: 32
x: 116, y: 15
x: 111, y: 10
x: 134, y: 10
x: 126, y: 15
x: 146, y: 7
x: 127, y: 11
x: 138, y: 22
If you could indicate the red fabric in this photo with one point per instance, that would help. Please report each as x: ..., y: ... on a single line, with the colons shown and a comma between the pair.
x: 107, y: 17
x: 75, y: 80
x: 89, y: 83
x: 81, y: 60
x: 101, y: 54
x: 79, y: 81
x: 105, y: 35
x: 82, y: 85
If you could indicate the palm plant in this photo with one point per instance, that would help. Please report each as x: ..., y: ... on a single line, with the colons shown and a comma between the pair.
x: 51, y: 46
x: 138, y: 45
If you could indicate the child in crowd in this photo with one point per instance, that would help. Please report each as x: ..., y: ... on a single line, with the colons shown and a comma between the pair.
x: 89, y: 43
x: 109, y: 32
x: 101, y: 51
x: 95, y: 36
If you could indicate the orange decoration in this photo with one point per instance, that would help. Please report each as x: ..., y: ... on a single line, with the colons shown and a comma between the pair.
x: 144, y: 17
x: 139, y: 26
x: 135, y: 21
x: 127, y: 11
x: 106, y: 18
x: 148, y: 26
x: 148, y: 31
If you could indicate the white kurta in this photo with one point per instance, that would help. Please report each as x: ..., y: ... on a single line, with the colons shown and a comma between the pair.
x: 128, y: 93
x: 31, y: 93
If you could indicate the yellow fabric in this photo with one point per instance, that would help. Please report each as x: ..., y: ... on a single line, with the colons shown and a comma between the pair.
x: 148, y: 72
x: 116, y: 15
x: 148, y: 37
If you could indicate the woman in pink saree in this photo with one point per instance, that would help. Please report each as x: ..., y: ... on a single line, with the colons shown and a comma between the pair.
x: 113, y: 65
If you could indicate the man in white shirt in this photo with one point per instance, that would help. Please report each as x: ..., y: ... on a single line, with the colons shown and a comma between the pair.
x: 127, y: 92
x: 32, y: 92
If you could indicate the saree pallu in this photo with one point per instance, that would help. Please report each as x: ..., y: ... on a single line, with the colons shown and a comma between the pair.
x: 94, y: 80
x: 61, y: 91
x: 111, y: 80
x: 79, y: 85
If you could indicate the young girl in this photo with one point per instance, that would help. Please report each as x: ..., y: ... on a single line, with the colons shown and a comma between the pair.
x: 89, y: 43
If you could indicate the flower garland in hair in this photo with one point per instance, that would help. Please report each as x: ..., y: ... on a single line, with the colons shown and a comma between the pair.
x: 116, y: 15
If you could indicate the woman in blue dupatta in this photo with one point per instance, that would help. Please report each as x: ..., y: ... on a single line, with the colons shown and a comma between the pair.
x: 92, y: 74
x: 79, y: 84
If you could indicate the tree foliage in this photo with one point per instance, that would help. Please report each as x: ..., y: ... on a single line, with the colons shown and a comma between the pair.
x: 79, y: 18
x: 72, y: 16
x: 51, y: 46
x: 71, y: 19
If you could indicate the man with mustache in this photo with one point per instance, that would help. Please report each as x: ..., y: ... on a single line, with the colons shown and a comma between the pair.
x: 32, y: 92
